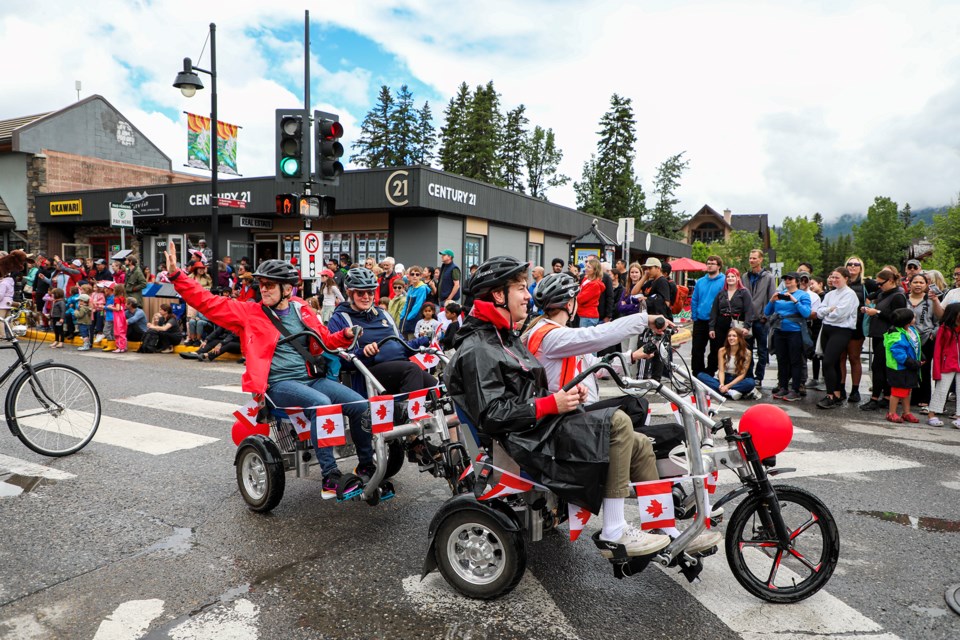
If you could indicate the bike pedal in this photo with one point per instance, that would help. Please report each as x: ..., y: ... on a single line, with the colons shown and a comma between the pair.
x: 351, y: 495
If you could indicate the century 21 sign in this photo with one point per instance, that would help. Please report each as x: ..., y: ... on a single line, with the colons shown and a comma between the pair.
x: 66, y: 208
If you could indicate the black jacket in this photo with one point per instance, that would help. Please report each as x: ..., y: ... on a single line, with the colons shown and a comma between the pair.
x: 887, y: 302
x: 725, y: 309
x: 608, y: 302
x: 495, y: 381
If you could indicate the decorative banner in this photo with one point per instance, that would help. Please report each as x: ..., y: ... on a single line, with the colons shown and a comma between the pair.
x: 425, y: 360
x: 509, y: 484
x: 198, y: 144
x: 578, y: 517
x: 301, y: 424
x: 381, y: 413
x: 417, y: 405
x: 655, y: 500
x: 330, y: 431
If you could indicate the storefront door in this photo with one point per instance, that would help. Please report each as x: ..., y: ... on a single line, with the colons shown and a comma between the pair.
x: 266, y: 248
x: 104, y: 247
x: 157, y: 261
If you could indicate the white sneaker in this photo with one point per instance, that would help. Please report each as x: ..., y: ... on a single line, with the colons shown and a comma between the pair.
x: 755, y: 395
x: 98, y: 339
x: 638, y: 542
x: 704, y: 541
x: 736, y: 395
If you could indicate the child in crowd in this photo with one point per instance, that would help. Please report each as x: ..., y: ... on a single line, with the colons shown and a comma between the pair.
x: 452, y: 312
x: 69, y: 325
x: 331, y: 295
x: 47, y: 307
x: 946, y: 364
x: 107, y: 313
x: 97, y: 302
x: 734, y: 366
x: 119, y: 307
x: 58, y: 310
x: 427, y: 327
x: 398, y: 301
x: 83, y: 316
x: 416, y: 296
x: 902, y: 346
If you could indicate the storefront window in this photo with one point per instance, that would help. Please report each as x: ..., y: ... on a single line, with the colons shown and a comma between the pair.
x: 535, y: 254
x: 237, y: 250
x: 359, y: 246
x: 473, y: 251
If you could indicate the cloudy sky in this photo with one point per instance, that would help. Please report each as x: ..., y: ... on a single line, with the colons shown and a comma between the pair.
x: 783, y: 108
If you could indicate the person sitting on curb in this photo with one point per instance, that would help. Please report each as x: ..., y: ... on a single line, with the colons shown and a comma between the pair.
x: 167, y: 329
x: 136, y: 321
x: 219, y: 342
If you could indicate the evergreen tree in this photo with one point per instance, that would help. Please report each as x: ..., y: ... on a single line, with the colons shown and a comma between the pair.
x: 946, y: 239
x: 426, y: 137
x: 374, y: 147
x: 542, y: 158
x: 664, y: 219
x: 620, y: 193
x: 403, y: 128
x: 589, y: 193
x: 484, y: 136
x: 906, y: 216
x: 880, y: 239
x: 514, y: 146
x: 453, y: 133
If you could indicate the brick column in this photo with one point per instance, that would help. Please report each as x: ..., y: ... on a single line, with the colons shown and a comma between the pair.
x: 36, y: 184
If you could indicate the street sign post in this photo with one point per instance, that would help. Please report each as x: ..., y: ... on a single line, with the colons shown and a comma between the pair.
x: 311, y: 258
x: 121, y: 217
x: 777, y: 269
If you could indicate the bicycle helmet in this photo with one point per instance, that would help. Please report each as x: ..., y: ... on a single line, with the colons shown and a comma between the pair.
x: 278, y: 271
x: 495, y: 273
x: 555, y: 291
x: 360, y: 278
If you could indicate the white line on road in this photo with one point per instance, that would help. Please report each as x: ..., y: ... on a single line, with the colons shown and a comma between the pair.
x: 229, y: 388
x: 188, y: 405
x: 935, y: 447
x: 823, y: 463
x: 129, y: 620
x: 237, y: 622
x: 9, y: 464
x: 109, y: 355
x: 930, y: 434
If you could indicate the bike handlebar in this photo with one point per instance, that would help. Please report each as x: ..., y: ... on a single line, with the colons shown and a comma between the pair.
x: 407, y: 346
x: 310, y: 333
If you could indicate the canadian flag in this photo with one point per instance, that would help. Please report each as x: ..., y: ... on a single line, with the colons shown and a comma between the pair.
x: 578, y: 519
x: 247, y: 414
x: 480, y: 458
x: 425, y: 360
x: 381, y: 413
x: 509, y: 484
x: 300, y: 422
x: 656, y: 504
x: 676, y: 413
x: 330, y: 431
x: 712, y: 481
x: 417, y: 404
x: 649, y: 414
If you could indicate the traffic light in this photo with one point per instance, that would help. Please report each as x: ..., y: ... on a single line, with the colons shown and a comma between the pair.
x: 290, y: 147
x: 328, y: 148
x: 288, y: 205
x: 317, y: 206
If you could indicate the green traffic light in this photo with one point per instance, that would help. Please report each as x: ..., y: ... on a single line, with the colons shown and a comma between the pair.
x: 290, y: 166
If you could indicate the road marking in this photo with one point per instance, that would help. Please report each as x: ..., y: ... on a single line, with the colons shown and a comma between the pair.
x: 9, y: 464
x: 821, y: 615
x: 528, y: 606
x: 109, y: 355
x: 137, y: 436
x: 236, y: 369
x: 129, y: 620
x: 229, y: 388
x: 935, y: 447
x: 188, y: 405
x: 238, y: 622
x: 929, y: 434
x: 663, y: 409
x: 825, y: 463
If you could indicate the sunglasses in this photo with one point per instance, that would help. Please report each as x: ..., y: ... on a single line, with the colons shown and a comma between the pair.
x: 853, y: 264
x: 398, y: 288
x: 266, y: 285
x: 956, y: 274
x: 415, y: 273
x: 365, y: 293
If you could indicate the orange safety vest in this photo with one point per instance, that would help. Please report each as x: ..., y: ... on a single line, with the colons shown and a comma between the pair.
x: 570, y: 366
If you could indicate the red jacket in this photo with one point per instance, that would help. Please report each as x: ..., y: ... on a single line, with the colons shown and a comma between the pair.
x: 258, y: 336
x: 946, y: 352
x: 589, y: 298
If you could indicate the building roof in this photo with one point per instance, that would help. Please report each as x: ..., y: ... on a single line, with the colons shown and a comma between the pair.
x: 707, y: 210
x: 753, y: 222
x: 8, y: 126
x: 594, y: 235
x: 6, y: 218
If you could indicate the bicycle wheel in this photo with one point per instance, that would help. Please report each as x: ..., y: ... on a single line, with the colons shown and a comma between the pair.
x: 55, y: 411
x: 783, y: 575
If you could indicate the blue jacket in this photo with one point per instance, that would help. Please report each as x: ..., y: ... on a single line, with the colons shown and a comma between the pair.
x: 416, y: 296
x: 704, y: 293
x: 785, y: 308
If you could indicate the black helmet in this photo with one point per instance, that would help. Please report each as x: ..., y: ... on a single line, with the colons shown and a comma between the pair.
x: 360, y: 278
x: 555, y: 290
x: 495, y: 273
x: 278, y: 271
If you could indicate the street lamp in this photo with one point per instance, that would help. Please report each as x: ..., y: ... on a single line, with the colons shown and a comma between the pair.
x: 189, y: 83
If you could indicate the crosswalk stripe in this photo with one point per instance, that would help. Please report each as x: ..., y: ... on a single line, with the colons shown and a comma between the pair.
x: 229, y: 388
x: 137, y: 436
x: 9, y: 464
x: 129, y: 620
x: 912, y: 432
x: 188, y: 405
x: 824, y: 463
x: 935, y: 447
x: 109, y: 355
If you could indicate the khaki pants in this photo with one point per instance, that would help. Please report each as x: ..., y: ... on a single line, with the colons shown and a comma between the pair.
x: 631, y: 458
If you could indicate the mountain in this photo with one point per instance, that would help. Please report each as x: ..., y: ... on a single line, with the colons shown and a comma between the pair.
x: 844, y: 224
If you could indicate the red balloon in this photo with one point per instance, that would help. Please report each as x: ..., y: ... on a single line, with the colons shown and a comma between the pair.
x: 769, y: 426
x: 241, y: 431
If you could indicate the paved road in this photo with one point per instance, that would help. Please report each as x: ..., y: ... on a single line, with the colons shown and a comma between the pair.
x: 143, y: 534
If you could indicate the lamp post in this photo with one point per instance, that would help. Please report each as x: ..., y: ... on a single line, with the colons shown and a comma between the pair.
x: 189, y: 82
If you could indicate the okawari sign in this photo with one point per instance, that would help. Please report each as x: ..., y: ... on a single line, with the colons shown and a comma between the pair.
x: 198, y: 144
x: 66, y: 208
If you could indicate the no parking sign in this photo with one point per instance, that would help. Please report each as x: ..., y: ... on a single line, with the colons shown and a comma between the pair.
x: 310, y: 254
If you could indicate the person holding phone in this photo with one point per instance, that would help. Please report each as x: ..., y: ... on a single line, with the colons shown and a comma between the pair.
x: 788, y: 310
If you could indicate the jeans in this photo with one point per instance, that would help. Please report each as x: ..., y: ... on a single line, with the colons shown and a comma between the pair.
x: 589, y: 322
x: 760, y: 331
x: 743, y: 387
x: 312, y: 393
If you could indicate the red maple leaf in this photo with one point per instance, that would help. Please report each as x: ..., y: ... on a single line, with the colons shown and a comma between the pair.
x: 582, y: 515
x: 328, y: 426
x: 428, y: 358
x: 415, y: 408
x: 301, y: 422
x: 382, y: 412
x: 655, y: 508
x: 252, y: 411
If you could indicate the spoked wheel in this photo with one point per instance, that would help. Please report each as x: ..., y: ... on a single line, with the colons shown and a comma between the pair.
x: 54, y: 412
x: 783, y: 575
x: 477, y: 556
x: 261, y: 483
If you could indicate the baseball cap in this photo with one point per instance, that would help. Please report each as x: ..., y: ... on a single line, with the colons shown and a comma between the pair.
x: 913, y: 263
x: 77, y: 262
x: 793, y: 275
x: 446, y: 252
x: 101, y: 261
x: 652, y: 262
x: 83, y: 297
x: 326, y: 273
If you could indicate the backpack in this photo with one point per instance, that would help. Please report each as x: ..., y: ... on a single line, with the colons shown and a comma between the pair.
x: 149, y: 343
x: 679, y: 298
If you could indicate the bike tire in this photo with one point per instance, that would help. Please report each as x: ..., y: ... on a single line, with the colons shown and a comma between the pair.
x: 59, y: 431
x: 811, y: 558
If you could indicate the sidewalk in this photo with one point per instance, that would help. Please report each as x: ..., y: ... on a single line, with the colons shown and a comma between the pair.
x: 110, y: 345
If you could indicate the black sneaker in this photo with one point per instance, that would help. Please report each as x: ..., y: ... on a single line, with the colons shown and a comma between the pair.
x: 365, y: 470
x: 793, y: 396
x: 779, y: 393
x: 330, y: 485
x: 829, y: 402
x: 870, y: 405
x: 854, y: 396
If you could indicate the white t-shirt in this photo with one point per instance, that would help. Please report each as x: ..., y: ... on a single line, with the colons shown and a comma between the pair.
x: 952, y: 296
x: 332, y: 296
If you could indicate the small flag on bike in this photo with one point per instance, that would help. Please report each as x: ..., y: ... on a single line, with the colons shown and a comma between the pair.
x: 655, y: 500
x: 381, y: 413
x: 676, y: 413
x: 509, y: 484
x: 300, y: 422
x: 712, y: 482
x: 578, y: 517
x: 417, y: 405
x: 425, y: 360
x: 247, y: 414
x: 330, y: 431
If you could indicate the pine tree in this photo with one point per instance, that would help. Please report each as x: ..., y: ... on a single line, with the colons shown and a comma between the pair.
x: 664, y: 219
x: 484, y: 138
x: 589, y: 193
x: 542, y: 158
x: 612, y: 176
x: 906, y: 216
x: 512, y: 152
x: 374, y: 147
x: 403, y: 128
x: 880, y: 239
x: 454, y: 131
x: 426, y: 137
